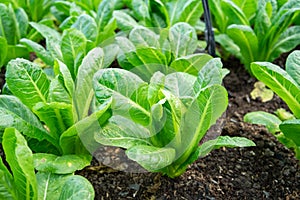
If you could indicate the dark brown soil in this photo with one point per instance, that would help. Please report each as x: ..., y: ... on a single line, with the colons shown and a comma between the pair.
x: 267, y: 171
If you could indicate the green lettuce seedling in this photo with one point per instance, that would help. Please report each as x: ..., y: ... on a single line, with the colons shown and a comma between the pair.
x: 286, y: 84
x: 161, y: 122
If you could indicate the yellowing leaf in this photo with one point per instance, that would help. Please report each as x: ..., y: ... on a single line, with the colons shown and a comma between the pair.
x: 260, y: 91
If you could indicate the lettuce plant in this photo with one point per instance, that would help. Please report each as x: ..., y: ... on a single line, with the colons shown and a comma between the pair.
x: 96, y: 24
x: 256, y: 30
x: 144, y: 52
x: 286, y: 84
x: 161, y: 122
x: 158, y: 13
x: 53, y: 113
x: 21, y: 181
x: 35, y: 9
x: 13, y: 26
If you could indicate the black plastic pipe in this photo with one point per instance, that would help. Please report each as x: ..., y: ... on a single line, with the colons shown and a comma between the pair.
x: 209, y: 33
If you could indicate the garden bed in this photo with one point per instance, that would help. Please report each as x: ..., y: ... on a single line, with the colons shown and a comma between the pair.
x: 267, y: 171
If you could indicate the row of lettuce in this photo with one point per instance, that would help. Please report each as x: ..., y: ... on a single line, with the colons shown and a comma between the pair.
x: 157, y: 104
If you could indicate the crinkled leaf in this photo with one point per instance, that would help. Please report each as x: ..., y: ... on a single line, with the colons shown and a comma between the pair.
x: 64, y: 77
x: 263, y: 118
x: 27, y: 81
x: 22, y: 21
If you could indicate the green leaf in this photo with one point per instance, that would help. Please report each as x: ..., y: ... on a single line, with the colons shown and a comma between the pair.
x: 16, y: 51
x: 3, y: 51
x: 287, y: 41
x: 180, y: 84
x: 150, y: 157
x: 53, y: 39
x: 27, y: 81
x: 245, y: 38
x: 77, y: 188
x: 50, y: 185
x: 183, y: 39
x: 64, y: 76
x: 191, y: 63
x: 147, y: 61
x: 84, y: 93
x: 122, y: 132
x: 22, y: 21
x: 262, y: 19
x: 7, y: 188
x: 205, y: 109
x: 125, y: 22
x: 234, y: 13
x: 40, y: 51
x: 87, y: 25
x: 8, y: 25
x: 141, y: 10
x: 223, y: 141
x: 73, y: 45
x: 280, y: 82
x: 58, y: 92
x: 17, y: 115
x: 190, y: 12
x: 291, y: 129
x: 57, y: 116
x: 65, y: 164
x: 104, y: 13
x: 263, y: 118
x: 20, y: 160
x: 143, y: 37
x: 293, y: 66
x: 211, y: 73
x: 82, y: 133
x: 122, y: 86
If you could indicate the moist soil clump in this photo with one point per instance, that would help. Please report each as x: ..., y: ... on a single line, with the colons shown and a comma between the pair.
x: 267, y: 171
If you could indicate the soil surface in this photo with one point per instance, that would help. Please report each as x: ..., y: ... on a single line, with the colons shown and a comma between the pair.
x: 267, y: 171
